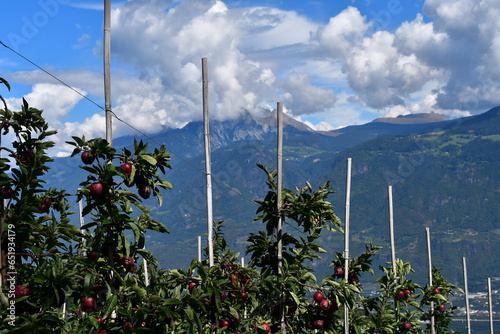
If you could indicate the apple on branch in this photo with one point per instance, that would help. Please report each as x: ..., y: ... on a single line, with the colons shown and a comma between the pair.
x: 87, y: 158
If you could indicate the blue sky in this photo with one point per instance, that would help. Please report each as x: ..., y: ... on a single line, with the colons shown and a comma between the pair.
x: 332, y: 63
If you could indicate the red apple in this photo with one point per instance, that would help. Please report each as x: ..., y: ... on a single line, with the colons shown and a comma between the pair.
x: 266, y: 328
x: 353, y: 278
x: 145, y: 192
x: 334, y: 306
x: 88, y: 304
x: 127, y: 168
x: 21, y: 291
x: 26, y: 156
x: 319, y: 324
x: 127, y: 260
x: 224, y: 323
x: 47, y: 201
x: 407, y: 293
x: 87, y: 158
x: 103, y: 331
x: 338, y: 271
x: 436, y: 291
x: 44, y: 208
x: 7, y: 192
x: 244, y: 295
x: 192, y: 285
x: 407, y: 326
x: 129, y: 326
x: 100, y: 320
x: 325, y: 304
x: 131, y: 268
x: 96, y: 189
x: 400, y: 295
x: 92, y: 255
x: 442, y: 308
x: 318, y: 297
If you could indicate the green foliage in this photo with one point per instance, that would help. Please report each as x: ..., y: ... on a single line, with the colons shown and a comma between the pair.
x: 87, y: 280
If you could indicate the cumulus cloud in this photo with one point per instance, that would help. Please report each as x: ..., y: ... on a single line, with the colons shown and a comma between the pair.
x: 304, y: 98
x: 55, y: 100
x: 343, y: 31
x: 165, y: 44
x: 444, y: 60
x: 456, y: 51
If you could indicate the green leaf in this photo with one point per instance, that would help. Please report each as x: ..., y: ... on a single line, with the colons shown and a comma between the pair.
x: 94, y: 322
x: 149, y: 159
x: 111, y: 303
x: 2, y: 80
x: 88, y: 284
x: 136, y: 229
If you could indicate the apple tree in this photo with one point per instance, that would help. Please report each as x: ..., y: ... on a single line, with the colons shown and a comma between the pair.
x: 36, y: 234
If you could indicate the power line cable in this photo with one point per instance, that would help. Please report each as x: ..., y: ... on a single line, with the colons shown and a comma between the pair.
x: 53, y: 76
x: 118, y: 118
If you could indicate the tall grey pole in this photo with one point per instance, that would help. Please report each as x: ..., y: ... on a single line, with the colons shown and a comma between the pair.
x: 208, y: 168
x: 280, y: 180
x: 107, y: 70
x: 466, y: 290
x: 346, y: 236
x: 391, y: 230
x: 490, y: 306
x: 429, y: 261
x: 279, y: 112
x: 199, y: 248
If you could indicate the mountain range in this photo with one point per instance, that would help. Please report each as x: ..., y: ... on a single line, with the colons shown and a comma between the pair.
x: 445, y: 175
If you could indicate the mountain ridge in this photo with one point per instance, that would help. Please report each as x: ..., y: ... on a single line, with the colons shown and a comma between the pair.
x: 439, y: 172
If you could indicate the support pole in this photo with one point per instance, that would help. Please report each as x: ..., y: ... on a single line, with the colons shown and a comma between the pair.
x: 146, y: 273
x: 490, y: 306
x: 429, y: 260
x: 208, y: 168
x: 82, y: 220
x: 199, y: 248
x: 107, y: 70
x: 279, y: 113
x: 466, y: 290
x: 391, y: 230
x: 346, y: 236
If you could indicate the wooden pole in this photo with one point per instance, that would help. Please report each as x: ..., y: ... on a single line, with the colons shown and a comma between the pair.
x: 490, y: 306
x: 107, y: 69
x: 466, y: 290
x: 391, y: 230
x: 146, y: 273
x: 199, y: 248
x: 82, y: 220
x: 429, y: 260
x: 208, y: 168
x: 346, y: 236
x: 279, y: 112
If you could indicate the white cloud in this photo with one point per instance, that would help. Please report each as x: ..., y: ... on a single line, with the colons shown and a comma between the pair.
x: 343, y: 32
x: 165, y: 45
x: 303, y: 98
x: 447, y: 62
x: 56, y: 101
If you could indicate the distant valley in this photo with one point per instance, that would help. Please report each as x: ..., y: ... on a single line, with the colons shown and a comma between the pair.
x: 445, y: 175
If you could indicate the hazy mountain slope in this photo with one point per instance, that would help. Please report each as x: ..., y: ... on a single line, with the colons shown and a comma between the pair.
x: 445, y: 175
x: 447, y: 179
